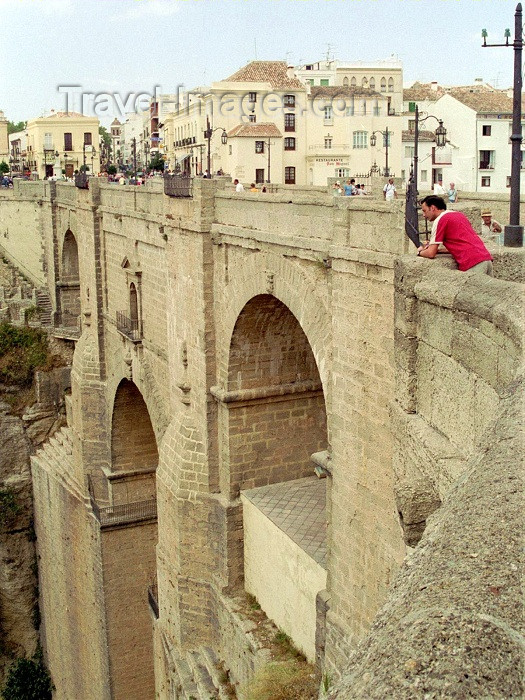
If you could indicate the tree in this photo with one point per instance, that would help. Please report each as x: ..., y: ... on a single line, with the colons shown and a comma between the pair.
x: 4, y: 168
x: 157, y: 162
x: 13, y: 127
x: 28, y: 679
x: 112, y: 170
x: 105, y: 141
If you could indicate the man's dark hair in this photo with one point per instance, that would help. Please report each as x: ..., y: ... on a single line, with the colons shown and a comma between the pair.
x: 432, y: 200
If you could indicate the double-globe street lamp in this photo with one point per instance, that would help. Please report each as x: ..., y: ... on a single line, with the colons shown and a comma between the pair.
x: 513, y: 233
x: 411, y: 209
x: 386, y: 142
x: 207, y: 135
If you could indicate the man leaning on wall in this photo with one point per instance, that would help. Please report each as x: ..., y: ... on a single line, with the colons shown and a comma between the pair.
x: 453, y: 230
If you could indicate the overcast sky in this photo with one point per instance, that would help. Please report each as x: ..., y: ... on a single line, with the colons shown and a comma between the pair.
x: 123, y: 46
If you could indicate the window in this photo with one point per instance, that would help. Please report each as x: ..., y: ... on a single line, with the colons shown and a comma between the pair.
x: 259, y: 175
x: 289, y: 122
x: 486, y: 129
x: 372, y: 83
x: 486, y: 160
x: 289, y: 176
x: 289, y: 143
x: 424, y: 176
x: 342, y: 172
x: 391, y: 85
x: 259, y: 146
x: 68, y: 142
x: 310, y: 81
x: 345, y: 82
x: 353, y: 82
x: 350, y: 108
x: 364, y: 82
x: 252, y: 97
x: 412, y: 125
x: 324, y: 82
x: 289, y: 100
x: 360, y: 139
x: 87, y: 138
x: 409, y: 151
x: 48, y: 141
x: 383, y: 84
x: 328, y: 115
x: 377, y: 109
x: 328, y: 142
x: 252, y: 118
x: 508, y: 181
x: 485, y: 181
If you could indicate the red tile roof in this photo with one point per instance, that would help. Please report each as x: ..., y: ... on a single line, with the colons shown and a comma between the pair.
x: 277, y: 73
x: 264, y: 129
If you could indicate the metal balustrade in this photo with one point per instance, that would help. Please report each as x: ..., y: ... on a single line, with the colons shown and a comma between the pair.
x: 129, y: 327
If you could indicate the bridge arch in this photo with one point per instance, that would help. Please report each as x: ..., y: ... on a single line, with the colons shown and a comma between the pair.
x: 69, y: 271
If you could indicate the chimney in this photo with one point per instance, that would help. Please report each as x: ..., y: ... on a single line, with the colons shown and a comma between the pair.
x: 434, y: 85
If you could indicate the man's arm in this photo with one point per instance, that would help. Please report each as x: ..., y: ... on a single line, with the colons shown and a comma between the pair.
x: 429, y: 250
x: 496, y: 227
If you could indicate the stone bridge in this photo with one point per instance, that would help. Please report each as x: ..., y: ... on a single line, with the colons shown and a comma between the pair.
x: 266, y: 399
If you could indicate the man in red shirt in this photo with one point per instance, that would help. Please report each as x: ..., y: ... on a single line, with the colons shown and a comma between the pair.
x: 453, y: 230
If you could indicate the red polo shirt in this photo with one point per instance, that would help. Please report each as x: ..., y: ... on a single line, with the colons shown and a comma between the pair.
x: 453, y: 229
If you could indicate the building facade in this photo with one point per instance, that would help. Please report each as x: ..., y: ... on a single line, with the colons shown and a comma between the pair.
x: 62, y: 143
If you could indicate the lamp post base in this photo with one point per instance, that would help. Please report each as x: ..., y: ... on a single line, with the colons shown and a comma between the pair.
x: 513, y: 236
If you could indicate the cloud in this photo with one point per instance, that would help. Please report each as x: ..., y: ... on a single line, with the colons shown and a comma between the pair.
x: 140, y: 9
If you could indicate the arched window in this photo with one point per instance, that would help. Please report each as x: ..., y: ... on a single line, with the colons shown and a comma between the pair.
x: 391, y: 85
x: 353, y: 82
x: 383, y: 84
x: 133, y: 303
x: 364, y: 82
x: 372, y: 83
x: 345, y: 81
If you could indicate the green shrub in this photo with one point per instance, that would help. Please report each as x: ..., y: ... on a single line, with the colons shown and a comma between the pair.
x: 22, y: 351
x: 9, y: 507
x: 28, y: 679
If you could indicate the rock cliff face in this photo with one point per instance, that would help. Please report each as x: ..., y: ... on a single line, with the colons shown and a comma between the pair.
x: 19, y: 437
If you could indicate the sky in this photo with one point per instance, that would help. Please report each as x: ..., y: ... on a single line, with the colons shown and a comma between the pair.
x: 118, y: 47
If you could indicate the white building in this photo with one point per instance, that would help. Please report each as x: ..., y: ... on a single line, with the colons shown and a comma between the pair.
x: 478, y: 119
x: 285, y: 128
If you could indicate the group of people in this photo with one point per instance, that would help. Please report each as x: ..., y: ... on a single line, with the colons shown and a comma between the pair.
x: 348, y: 188
x: 6, y: 181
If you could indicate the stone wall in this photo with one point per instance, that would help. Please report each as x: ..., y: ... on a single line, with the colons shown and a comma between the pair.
x: 272, y: 318
x: 460, y: 588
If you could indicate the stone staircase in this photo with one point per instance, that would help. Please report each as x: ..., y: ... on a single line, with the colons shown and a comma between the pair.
x: 56, y: 457
x: 43, y: 303
x: 200, y: 676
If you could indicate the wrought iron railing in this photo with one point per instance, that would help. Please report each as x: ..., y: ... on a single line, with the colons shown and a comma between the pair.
x: 82, y: 181
x: 153, y: 599
x: 178, y: 185
x: 130, y: 327
x: 125, y: 512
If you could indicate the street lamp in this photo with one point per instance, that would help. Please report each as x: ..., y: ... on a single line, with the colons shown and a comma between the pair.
x: 386, y: 142
x: 93, y: 154
x: 207, y: 135
x: 411, y: 209
x: 513, y: 233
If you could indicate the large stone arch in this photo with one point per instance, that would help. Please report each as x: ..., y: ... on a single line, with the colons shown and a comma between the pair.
x: 68, y: 302
x: 297, y: 288
x: 69, y: 264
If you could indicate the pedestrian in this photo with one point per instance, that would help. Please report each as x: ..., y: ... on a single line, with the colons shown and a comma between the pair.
x: 438, y: 189
x: 389, y: 190
x: 348, y: 188
x: 253, y: 188
x: 453, y: 230
x: 239, y: 187
x: 337, y: 190
x: 489, y: 226
x: 452, y: 193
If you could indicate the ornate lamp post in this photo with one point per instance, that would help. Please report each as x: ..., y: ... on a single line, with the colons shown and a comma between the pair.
x: 207, y: 135
x: 513, y: 233
x: 411, y: 209
x: 386, y: 142
x: 93, y: 154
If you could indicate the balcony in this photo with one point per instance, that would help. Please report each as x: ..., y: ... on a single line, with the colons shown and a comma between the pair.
x: 178, y: 185
x: 125, y: 512
x: 129, y: 327
x: 485, y: 165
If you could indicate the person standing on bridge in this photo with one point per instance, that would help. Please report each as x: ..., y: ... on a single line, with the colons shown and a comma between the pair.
x: 453, y: 230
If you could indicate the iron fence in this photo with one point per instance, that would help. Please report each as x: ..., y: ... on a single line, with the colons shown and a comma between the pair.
x: 125, y: 512
x: 130, y: 327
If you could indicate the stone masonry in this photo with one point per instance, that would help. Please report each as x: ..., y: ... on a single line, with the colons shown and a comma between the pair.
x: 224, y: 340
